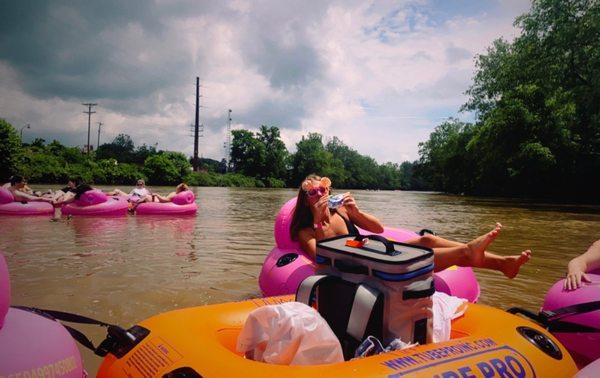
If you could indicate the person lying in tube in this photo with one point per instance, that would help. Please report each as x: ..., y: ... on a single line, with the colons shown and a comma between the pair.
x: 314, y: 220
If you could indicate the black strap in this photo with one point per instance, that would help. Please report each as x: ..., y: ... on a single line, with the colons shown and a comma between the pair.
x: 579, y: 308
x: 568, y: 327
x: 113, y: 331
x: 65, y: 316
x: 551, y: 320
x: 352, y: 230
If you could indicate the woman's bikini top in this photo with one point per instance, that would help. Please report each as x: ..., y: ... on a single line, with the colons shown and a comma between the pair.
x: 352, y: 230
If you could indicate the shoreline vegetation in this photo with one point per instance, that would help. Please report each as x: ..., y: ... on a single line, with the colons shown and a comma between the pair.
x: 536, y: 132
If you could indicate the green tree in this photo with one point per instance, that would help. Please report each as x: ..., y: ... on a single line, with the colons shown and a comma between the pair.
x: 121, y: 149
x: 538, y: 120
x: 10, y: 150
x: 312, y: 157
x: 166, y: 168
x: 446, y: 156
x: 248, y: 154
x: 141, y: 153
x: 276, y: 155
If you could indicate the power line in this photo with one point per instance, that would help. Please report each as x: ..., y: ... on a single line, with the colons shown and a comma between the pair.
x: 89, y: 113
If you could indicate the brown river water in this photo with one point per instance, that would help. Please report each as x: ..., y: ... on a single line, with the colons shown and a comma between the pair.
x: 123, y: 270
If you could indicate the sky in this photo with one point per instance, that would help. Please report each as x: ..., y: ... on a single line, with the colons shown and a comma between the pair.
x: 379, y: 75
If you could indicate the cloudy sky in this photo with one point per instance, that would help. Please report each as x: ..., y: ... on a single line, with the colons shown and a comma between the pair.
x: 379, y: 75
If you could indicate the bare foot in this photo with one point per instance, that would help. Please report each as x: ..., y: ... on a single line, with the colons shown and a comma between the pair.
x: 511, y: 265
x: 476, y: 247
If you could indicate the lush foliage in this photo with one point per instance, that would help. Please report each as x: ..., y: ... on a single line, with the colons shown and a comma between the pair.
x: 257, y: 160
x: 537, y: 102
x: 264, y: 156
x: 10, y: 149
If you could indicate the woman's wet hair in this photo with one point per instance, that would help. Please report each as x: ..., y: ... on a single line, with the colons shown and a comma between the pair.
x: 16, y: 180
x: 75, y: 180
x: 80, y: 189
x: 302, y: 216
x: 181, y: 188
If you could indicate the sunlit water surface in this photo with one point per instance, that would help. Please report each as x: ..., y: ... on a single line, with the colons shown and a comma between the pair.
x: 123, y: 270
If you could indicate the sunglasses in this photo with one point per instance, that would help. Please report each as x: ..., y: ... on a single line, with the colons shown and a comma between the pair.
x: 317, y: 191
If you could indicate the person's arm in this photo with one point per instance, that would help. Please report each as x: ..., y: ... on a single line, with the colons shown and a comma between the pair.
x: 21, y: 196
x: 67, y: 198
x: 581, y: 264
x: 308, y: 241
x: 168, y: 198
x: 361, y: 219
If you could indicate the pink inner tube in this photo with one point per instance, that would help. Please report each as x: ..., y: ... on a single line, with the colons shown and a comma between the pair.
x: 8, y: 206
x: 32, y: 345
x: 287, y: 265
x: 6, y: 196
x: 183, y: 203
x: 583, y: 346
x: 4, y: 290
x: 27, y: 209
x: 113, y: 206
x: 591, y: 370
x: 91, y: 197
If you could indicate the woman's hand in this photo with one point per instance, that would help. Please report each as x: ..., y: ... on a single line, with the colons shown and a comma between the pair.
x: 320, y: 210
x: 575, y: 276
x: 350, y: 204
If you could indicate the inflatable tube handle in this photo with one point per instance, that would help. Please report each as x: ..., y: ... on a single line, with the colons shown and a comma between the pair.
x: 389, y: 246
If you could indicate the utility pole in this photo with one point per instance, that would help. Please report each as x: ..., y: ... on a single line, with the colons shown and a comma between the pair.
x: 89, y: 113
x: 196, y: 126
x: 228, y: 140
x: 99, y: 126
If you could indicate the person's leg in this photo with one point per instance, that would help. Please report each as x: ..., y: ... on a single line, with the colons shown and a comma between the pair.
x: 508, y: 265
x: 470, y: 254
x: 433, y: 241
x: 116, y: 192
x: 143, y: 199
x: 475, y: 255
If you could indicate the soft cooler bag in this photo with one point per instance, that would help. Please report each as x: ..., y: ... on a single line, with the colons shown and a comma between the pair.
x: 381, y: 288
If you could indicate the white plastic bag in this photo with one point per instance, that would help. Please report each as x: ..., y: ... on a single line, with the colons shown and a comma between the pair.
x: 445, y: 309
x: 291, y: 333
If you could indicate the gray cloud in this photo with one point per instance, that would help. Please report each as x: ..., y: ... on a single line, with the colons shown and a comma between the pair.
x: 457, y: 54
x: 89, y: 50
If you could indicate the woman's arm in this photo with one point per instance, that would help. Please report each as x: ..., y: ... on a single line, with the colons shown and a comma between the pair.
x: 21, y: 196
x: 64, y: 199
x: 581, y: 264
x: 308, y: 241
x: 168, y: 198
x: 361, y: 219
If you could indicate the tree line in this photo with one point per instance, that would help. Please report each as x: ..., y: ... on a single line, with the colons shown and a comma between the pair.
x: 263, y: 155
x: 256, y: 160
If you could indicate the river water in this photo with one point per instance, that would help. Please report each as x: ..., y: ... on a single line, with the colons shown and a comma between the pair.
x: 123, y: 270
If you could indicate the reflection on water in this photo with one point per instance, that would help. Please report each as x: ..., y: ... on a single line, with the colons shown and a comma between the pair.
x: 126, y: 269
